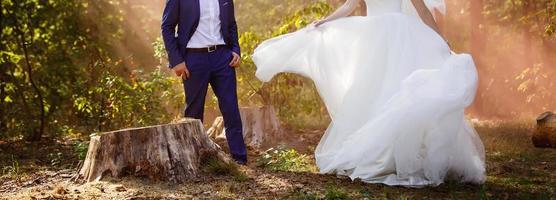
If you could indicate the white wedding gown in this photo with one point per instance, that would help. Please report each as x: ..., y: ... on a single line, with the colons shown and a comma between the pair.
x: 395, y: 93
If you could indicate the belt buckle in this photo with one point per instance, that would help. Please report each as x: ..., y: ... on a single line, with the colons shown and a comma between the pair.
x: 211, y: 49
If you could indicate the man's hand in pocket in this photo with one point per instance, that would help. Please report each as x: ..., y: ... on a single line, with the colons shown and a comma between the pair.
x: 235, y: 60
x: 181, y: 71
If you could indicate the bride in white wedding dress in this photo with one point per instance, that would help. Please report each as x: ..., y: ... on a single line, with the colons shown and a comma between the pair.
x: 395, y: 93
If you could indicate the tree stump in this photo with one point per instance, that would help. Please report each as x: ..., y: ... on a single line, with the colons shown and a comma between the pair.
x: 172, y: 152
x: 217, y: 129
x: 260, y: 124
x: 545, y: 132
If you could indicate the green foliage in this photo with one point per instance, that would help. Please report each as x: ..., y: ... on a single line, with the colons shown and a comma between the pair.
x: 55, y: 158
x: 72, y: 52
x: 514, y: 54
x: 269, y: 13
x: 115, y: 102
x: 159, y: 50
x: 282, y: 158
x: 66, y: 66
x: 551, y: 13
x: 80, y: 149
x: 295, y: 97
x: 518, y: 60
x: 62, y: 68
x: 85, y: 66
x: 38, y: 42
x: 537, y: 17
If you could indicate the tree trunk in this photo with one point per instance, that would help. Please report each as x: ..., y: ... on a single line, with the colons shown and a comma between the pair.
x: 216, y: 129
x: 260, y: 125
x: 172, y: 152
x: 545, y: 133
x: 3, y: 120
x: 36, y: 135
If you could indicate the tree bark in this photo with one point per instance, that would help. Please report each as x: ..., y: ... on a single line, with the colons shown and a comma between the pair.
x: 260, y: 125
x: 3, y: 95
x: 172, y: 152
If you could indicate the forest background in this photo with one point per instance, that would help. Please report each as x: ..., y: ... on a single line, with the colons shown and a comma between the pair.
x: 77, y: 67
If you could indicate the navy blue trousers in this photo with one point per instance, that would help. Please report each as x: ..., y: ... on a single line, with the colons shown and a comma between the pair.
x: 214, y: 68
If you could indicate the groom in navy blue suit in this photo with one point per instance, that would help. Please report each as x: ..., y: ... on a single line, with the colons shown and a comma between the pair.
x: 205, y: 50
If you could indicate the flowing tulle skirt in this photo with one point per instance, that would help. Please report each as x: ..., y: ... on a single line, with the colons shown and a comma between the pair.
x: 395, y: 93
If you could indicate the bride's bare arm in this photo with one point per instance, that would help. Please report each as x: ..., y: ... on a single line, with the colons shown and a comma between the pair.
x: 346, y: 9
x: 426, y: 15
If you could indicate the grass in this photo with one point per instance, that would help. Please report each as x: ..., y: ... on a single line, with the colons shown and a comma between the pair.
x: 331, y: 193
x: 11, y: 170
x: 286, y: 159
x: 303, y: 195
x: 211, y: 164
x: 515, y: 169
x: 335, y: 193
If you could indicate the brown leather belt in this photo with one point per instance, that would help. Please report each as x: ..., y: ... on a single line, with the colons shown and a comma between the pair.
x: 206, y: 49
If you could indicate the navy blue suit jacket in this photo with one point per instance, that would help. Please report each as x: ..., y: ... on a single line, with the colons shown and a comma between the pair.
x: 185, y: 14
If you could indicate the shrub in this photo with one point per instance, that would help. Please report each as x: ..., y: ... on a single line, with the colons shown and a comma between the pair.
x: 81, y: 149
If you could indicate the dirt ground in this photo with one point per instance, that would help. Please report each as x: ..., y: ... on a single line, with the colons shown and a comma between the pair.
x: 516, y: 170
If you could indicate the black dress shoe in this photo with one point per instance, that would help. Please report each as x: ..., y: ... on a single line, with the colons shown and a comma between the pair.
x: 241, y: 162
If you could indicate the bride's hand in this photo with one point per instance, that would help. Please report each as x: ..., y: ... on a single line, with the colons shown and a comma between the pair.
x: 319, y: 22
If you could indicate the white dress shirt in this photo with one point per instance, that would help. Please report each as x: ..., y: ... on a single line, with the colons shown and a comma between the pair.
x: 208, y: 32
